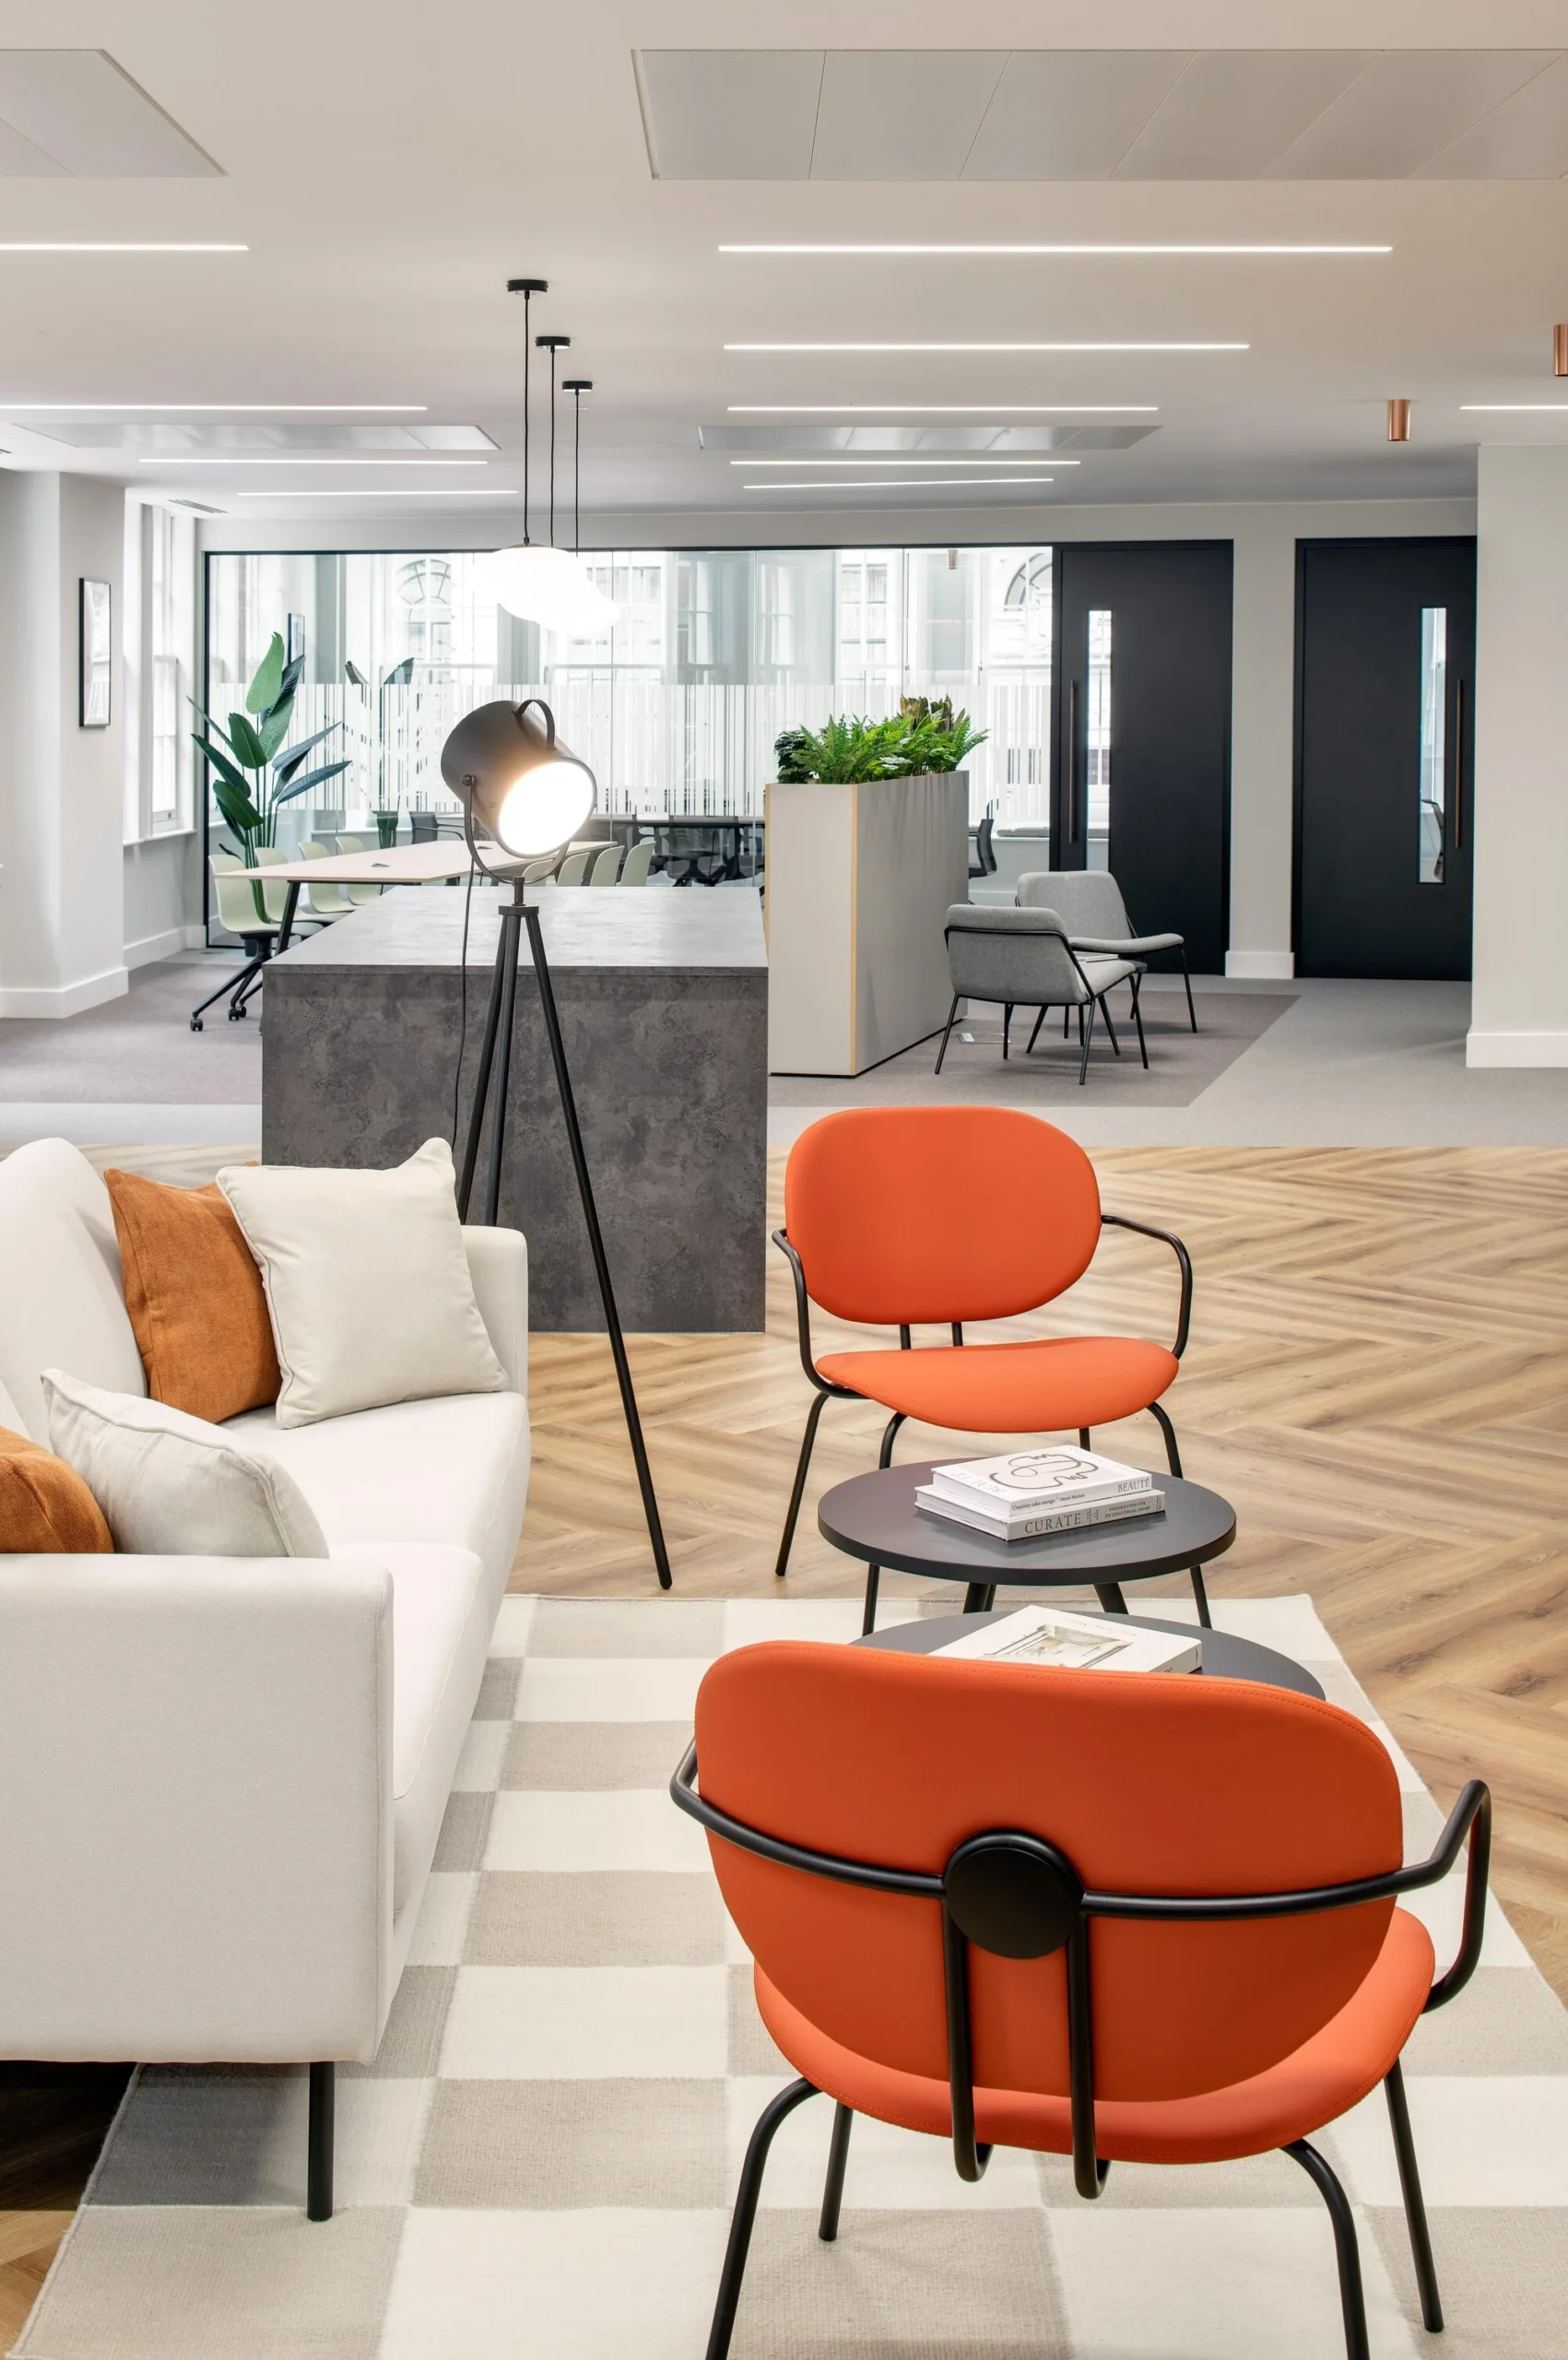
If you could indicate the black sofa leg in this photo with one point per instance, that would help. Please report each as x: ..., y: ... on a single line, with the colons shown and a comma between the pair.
x: 323, y: 2093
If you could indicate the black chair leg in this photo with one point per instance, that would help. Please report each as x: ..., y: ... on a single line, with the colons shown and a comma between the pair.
x: 1174, y: 1456
x: 230, y: 983
x: 1006, y: 1026
x: 795, y: 1496
x: 946, y: 1028
x: 1192, y: 1013
x: 1084, y: 1441
x: 874, y: 1572
x: 319, y: 2143
x: 838, y: 2155
x: 1138, y: 1020
x: 1415, y: 2208
x: 1036, y: 1034
x: 1352, y: 2302
x: 1087, y: 1044
x: 1066, y: 1020
x: 1105, y: 1012
x: 745, y: 2213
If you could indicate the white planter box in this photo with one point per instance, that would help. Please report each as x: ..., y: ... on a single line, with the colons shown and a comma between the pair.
x: 860, y: 880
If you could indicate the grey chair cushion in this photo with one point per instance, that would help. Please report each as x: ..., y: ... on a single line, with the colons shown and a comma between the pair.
x: 1089, y: 902
x: 1022, y: 956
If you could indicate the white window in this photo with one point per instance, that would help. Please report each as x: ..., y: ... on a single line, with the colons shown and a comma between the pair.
x: 159, y: 653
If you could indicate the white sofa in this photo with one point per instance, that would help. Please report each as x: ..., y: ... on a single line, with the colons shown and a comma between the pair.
x: 222, y: 1780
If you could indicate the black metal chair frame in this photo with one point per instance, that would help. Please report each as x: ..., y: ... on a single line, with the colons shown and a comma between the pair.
x: 984, y: 863
x: 827, y: 1391
x: 242, y: 986
x: 1018, y: 1896
x: 1092, y: 1001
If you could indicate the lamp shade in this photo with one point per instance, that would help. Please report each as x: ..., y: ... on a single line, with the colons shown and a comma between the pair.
x: 516, y: 780
x: 548, y: 586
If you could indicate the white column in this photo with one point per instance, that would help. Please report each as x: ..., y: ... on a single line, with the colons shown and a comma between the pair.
x: 1262, y: 744
x: 1519, y: 1002
x: 61, y: 787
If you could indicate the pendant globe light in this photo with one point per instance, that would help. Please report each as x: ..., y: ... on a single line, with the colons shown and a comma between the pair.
x: 539, y: 584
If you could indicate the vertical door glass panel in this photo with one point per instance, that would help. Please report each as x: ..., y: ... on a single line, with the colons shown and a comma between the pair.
x: 1435, y: 740
x: 1097, y: 740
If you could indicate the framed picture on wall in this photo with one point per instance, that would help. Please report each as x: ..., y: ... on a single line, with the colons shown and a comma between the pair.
x: 93, y: 712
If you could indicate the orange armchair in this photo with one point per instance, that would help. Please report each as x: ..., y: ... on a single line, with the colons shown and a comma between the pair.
x: 902, y: 1216
x: 1134, y: 1918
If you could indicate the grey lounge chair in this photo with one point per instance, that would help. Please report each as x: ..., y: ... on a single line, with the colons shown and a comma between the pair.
x: 1089, y: 902
x: 1022, y: 958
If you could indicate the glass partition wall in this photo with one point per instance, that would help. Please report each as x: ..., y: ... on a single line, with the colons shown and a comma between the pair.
x: 714, y: 653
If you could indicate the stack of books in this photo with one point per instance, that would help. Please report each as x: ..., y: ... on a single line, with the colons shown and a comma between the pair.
x: 1077, y: 1643
x: 1024, y: 1493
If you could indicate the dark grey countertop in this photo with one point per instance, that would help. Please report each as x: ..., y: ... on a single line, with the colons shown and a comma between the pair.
x: 423, y: 926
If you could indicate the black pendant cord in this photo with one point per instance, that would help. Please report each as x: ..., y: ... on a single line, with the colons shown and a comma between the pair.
x: 553, y: 344
x: 528, y: 288
x: 495, y: 1064
x: 577, y: 387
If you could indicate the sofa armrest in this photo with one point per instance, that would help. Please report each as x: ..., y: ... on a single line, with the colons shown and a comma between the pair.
x: 498, y: 1264
x: 195, y: 1807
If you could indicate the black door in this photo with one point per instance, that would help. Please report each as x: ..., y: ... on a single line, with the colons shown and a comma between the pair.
x: 1141, y: 781
x: 1386, y: 634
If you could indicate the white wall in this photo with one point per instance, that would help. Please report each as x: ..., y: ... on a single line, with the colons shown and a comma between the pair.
x: 61, y: 892
x: 1262, y: 695
x: 1519, y: 1000
x: 162, y: 898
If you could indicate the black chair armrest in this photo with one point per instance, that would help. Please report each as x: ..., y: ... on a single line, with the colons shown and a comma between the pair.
x: 1471, y: 1815
x: 1146, y: 1229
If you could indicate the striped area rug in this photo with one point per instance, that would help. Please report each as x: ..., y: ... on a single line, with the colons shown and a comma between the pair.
x: 540, y: 2163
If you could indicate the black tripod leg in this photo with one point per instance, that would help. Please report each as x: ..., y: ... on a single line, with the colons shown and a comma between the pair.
x: 503, y: 1073
x: 482, y: 1078
x: 596, y: 1244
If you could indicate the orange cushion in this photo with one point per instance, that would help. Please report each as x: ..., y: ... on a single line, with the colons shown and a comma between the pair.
x: 195, y: 1296
x: 44, y: 1504
x: 1011, y: 1388
x: 1323, y: 2079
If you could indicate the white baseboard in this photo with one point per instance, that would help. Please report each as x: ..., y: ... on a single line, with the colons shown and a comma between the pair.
x: 1262, y: 966
x: 164, y: 945
x: 1516, y: 1048
x: 66, y: 999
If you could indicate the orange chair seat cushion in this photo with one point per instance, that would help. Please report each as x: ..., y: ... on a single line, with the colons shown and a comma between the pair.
x: 193, y: 1292
x: 45, y: 1508
x: 1011, y: 1388
x: 1323, y: 2079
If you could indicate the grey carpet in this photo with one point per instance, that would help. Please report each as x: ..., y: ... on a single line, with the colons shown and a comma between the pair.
x: 1182, y: 1063
x: 140, y: 1049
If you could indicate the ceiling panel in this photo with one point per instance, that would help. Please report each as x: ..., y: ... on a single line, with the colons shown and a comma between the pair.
x: 1407, y: 107
x: 1234, y: 111
x: 254, y: 434
x: 1070, y: 114
x: 730, y: 115
x: 902, y: 114
x: 20, y: 160
x: 1526, y: 138
x: 85, y: 113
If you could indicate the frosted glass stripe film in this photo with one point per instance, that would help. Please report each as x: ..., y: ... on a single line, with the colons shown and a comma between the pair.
x: 1433, y: 742
x: 1096, y: 741
x: 713, y: 654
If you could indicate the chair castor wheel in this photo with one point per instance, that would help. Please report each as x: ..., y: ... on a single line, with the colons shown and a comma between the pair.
x: 196, y: 1024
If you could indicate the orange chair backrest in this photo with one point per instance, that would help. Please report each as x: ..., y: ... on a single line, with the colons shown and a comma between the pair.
x: 916, y: 1213
x: 1151, y: 1783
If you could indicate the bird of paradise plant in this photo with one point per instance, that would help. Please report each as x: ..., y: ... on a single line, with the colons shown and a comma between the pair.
x: 253, y: 772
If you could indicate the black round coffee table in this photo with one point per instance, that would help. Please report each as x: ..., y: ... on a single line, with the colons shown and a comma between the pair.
x: 1224, y: 1658
x: 874, y: 1517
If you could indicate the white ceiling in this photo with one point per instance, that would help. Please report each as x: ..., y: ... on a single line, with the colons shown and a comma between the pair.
x: 387, y: 182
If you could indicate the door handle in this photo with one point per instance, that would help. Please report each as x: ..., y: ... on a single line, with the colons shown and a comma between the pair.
x: 1072, y: 764
x: 1460, y: 765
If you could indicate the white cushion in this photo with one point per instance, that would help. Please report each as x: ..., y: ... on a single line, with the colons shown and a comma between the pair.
x: 173, y: 1486
x: 443, y: 1607
x: 453, y: 1471
x: 62, y: 1302
x: 367, y: 1284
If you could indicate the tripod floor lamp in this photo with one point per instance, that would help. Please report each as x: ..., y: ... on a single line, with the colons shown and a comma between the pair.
x: 528, y: 794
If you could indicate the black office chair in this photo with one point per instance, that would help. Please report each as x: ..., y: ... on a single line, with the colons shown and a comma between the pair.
x: 983, y: 860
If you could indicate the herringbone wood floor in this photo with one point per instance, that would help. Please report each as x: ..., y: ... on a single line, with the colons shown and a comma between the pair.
x: 1378, y: 1378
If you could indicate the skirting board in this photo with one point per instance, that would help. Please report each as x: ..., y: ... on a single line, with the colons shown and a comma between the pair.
x: 1517, y: 1049
x: 1261, y: 966
x: 66, y: 999
x: 165, y: 945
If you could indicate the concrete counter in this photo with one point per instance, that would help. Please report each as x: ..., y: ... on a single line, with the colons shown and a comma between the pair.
x: 664, y: 1006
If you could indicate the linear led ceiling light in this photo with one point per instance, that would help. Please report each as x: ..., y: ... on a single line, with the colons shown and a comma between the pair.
x: 987, y: 347
x: 1010, y: 458
x: 195, y: 459
x: 1091, y: 250
x: 901, y: 483
x: 389, y: 491
x: 108, y: 246
x: 1560, y: 406
x: 207, y: 409
x: 943, y: 409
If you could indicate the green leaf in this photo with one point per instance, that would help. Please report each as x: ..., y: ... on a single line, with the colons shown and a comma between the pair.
x: 287, y: 762
x: 311, y: 778
x: 291, y: 679
x: 353, y: 673
x: 236, y: 807
x: 222, y: 765
x: 274, y: 727
x: 248, y: 747
x: 400, y: 674
x: 267, y: 686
